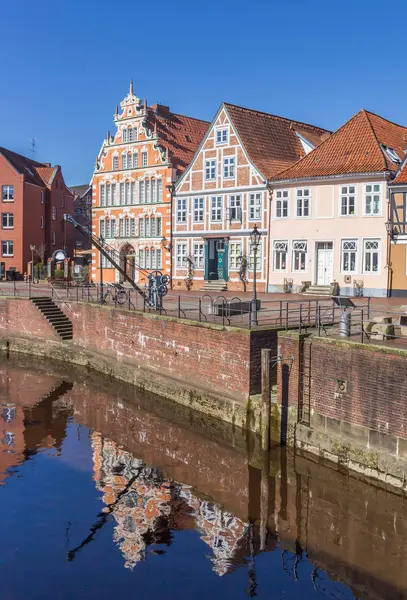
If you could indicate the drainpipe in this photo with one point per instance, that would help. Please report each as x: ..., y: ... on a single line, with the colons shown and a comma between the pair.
x: 388, y: 249
x: 171, y: 189
x: 270, y: 191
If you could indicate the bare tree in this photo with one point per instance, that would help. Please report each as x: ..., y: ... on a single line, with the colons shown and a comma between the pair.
x: 41, y: 251
x: 243, y: 270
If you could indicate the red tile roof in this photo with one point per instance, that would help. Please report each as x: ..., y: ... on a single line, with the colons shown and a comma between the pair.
x: 356, y: 147
x: 401, y: 177
x: 272, y: 142
x: 179, y: 134
x: 47, y: 174
x: 24, y: 165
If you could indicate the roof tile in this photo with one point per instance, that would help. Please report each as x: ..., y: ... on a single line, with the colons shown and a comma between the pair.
x: 356, y: 147
x: 272, y: 142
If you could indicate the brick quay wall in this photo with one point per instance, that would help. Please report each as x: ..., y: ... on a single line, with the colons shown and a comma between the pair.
x: 346, y: 402
x: 337, y: 399
x: 208, y: 367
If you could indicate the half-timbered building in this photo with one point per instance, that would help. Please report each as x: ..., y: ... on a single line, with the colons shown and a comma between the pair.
x: 223, y: 194
x: 132, y: 186
x: 397, y: 233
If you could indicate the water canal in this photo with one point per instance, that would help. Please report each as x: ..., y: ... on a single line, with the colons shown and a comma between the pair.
x: 109, y: 493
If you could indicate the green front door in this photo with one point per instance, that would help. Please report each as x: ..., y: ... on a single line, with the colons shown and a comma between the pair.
x: 222, y: 256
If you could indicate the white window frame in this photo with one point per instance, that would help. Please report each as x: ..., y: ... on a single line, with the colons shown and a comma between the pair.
x: 229, y: 166
x: 199, y: 255
x: 53, y: 238
x: 235, y: 208
x: 115, y: 163
x: 5, y: 193
x: 258, y: 257
x: 54, y: 213
x: 255, y: 208
x: 7, y: 216
x: 124, y: 162
x: 235, y: 252
x: 301, y: 197
x: 372, y: 251
x: 223, y: 134
x: 344, y: 250
x: 7, y: 253
x: 216, y: 209
x: 345, y: 193
x: 372, y: 193
x: 300, y: 246
x: 282, y: 204
x: 102, y: 195
x: 210, y: 169
x: 144, y: 159
x: 199, y: 210
x: 181, y: 214
x: 280, y: 246
x: 181, y: 255
x: 125, y: 135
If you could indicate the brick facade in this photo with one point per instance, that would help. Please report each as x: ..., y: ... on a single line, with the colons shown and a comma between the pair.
x: 355, y: 384
x: 131, y: 186
x: 32, y: 214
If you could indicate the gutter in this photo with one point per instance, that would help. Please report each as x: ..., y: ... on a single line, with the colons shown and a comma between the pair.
x: 385, y: 174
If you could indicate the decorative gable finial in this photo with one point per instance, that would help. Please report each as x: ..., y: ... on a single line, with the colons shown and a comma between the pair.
x: 155, y: 128
x: 145, y: 104
x: 117, y: 110
x: 131, y: 87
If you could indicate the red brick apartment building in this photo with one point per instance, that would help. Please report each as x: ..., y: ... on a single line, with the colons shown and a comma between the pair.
x: 33, y: 200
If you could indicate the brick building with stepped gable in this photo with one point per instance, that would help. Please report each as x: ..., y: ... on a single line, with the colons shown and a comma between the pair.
x: 132, y: 186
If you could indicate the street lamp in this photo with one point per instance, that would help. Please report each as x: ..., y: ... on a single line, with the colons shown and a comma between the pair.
x: 32, y: 248
x: 254, y: 242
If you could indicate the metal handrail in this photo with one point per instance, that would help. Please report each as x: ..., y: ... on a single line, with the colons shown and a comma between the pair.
x: 60, y: 298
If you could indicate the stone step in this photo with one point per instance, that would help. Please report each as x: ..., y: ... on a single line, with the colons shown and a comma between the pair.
x: 55, y: 317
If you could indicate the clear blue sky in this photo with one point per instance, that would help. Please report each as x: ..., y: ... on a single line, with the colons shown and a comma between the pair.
x: 65, y: 64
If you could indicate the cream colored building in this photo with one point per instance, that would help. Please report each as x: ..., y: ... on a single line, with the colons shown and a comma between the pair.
x: 329, y: 211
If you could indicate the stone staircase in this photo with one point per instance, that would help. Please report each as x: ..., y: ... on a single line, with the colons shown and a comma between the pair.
x: 55, y: 316
x: 319, y: 290
x: 215, y: 285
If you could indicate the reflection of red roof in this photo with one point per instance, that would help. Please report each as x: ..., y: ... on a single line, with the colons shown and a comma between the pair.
x: 272, y: 142
x: 179, y: 134
x: 359, y: 146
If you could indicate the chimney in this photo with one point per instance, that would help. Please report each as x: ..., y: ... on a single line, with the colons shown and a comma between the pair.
x: 162, y: 110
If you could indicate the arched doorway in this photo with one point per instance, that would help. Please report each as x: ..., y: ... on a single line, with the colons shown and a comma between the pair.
x: 128, y: 261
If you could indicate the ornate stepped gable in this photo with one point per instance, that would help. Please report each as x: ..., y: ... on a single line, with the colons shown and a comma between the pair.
x: 134, y: 170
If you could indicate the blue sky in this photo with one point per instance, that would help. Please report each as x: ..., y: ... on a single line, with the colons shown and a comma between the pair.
x: 65, y: 64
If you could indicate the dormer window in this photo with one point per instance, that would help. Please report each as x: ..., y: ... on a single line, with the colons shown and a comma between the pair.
x: 222, y: 136
x: 306, y: 145
x: 392, y: 154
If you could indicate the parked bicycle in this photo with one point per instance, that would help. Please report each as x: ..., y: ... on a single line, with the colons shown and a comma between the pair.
x: 116, y: 292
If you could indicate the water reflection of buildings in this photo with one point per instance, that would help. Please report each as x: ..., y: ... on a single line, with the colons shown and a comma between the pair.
x: 30, y: 416
x: 148, y: 507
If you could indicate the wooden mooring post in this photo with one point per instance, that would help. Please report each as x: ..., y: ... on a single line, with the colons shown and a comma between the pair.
x: 265, y: 397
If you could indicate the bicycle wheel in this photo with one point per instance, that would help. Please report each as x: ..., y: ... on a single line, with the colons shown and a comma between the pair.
x: 121, y: 296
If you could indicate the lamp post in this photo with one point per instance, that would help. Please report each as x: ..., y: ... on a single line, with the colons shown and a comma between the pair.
x: 32, y: 248
x: 254, y: 241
